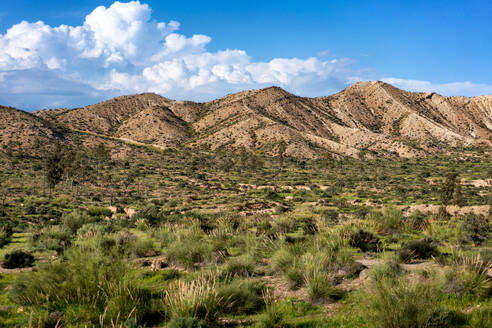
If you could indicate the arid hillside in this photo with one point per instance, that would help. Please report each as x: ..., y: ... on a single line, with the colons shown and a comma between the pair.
x: 369, y: 118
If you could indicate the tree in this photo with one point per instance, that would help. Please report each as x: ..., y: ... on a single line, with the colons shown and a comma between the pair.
x: 54, y: 168
x: 458, y: 195
x: 448, y: 188
x: 102, y: 155
x: 3, y: 195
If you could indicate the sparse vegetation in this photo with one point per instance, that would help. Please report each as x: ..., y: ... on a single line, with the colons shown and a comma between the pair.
x: 197, y: 239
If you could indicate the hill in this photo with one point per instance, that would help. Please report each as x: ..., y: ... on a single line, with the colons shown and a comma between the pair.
x: 374, y: 118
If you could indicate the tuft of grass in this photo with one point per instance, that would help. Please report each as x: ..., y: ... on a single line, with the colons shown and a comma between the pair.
x: 193, y: 299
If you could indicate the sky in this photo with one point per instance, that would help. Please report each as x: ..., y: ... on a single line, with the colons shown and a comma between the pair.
x: 74, y: 53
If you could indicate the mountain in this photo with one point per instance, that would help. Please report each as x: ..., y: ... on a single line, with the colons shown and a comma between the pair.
x: 25, y: 132
x: 373, y: 118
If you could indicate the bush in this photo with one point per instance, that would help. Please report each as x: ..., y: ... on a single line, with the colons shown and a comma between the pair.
x: 242, y: 266
x: 273, y: 317
x: 469, y: 277
x: 194, y: 299
x: 397, y: 302
x: 5, y: 235
x: 366, y: 241
x: 319, y: 288
x: 99, y: 211
x: 56, y: 238
x: 18, y: 259
x: 389, y: 221
x: 418, y: 249
x: 476, y: 228
x: 241, y: 297
x: 73, y: 221
x: 88, y: 288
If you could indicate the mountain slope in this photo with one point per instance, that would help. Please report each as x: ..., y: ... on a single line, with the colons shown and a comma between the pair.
x: 373, y: 117
x: 22, y: 131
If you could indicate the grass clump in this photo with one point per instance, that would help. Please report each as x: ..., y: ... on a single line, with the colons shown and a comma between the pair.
x: 87, y: 287
x: 196, y: 299
x: 391, y: 302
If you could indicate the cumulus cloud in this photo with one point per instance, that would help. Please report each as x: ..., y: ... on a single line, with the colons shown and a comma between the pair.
x: 121, y: 49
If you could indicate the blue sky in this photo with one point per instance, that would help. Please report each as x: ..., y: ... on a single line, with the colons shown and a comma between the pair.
x: 310, y: 48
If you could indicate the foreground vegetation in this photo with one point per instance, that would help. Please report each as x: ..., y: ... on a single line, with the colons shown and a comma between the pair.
x: 176, y: 239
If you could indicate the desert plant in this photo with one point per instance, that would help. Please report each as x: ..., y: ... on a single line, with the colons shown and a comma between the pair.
x: 85, y: 285
x: 418, y: 249
x: 366, y: 241
x: 18, y: 259
x: 99, y: 211
x: 469, y: 277
x: 241, y: 297
x: 196, y: 299
x: 399, y: 303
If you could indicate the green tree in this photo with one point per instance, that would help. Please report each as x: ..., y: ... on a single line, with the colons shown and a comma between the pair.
x: 448, y: 188
x: 54, y: 168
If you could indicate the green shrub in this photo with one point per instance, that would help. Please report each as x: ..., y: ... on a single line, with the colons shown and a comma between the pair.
x: 274, y: 316
x: 388, y: 221
x: 476, y: 228
x: 366, y: 241
x: 87, y: 287
x: 73, y: 221
x: 241, y: 297
x: 18, y: 259
x: 99, y: 211
x: 242, y: 266
x: 468, y: 277
x: 196, y: 299
x: 5, y: 235
x: 56, y: 238
x: 418, y: 249
x: 319, y: 288
x: 398, y: 302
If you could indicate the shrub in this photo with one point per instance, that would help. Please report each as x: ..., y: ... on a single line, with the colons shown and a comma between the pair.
x: 241, y: 297
x: 99, y: 211
x: 319, y: 288
x: 418, y: 249
x: 389, y: 221
x: 5, y: 235
x: 397, y: 302
x: 469, y: 277
x: 366, y: 241
x: 273, y: 317
x: 18, y: 259
x: 242, y: 266
x: 73, y: 221
x: 417, y: 221
x: 196, y: 299
x: 476, y: 228
x: 56, y: 238
x: 88, y: 288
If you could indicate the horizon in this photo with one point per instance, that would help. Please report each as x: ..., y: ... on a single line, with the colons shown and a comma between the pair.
x: 92, y: 51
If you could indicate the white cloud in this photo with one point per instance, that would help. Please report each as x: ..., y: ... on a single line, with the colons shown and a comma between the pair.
x: 446, y: 89
x: 121, y: 49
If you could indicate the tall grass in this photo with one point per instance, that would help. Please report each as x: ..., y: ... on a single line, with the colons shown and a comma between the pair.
x: 393, y: 301
x: 84, y: 286
x: 196, y: 299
